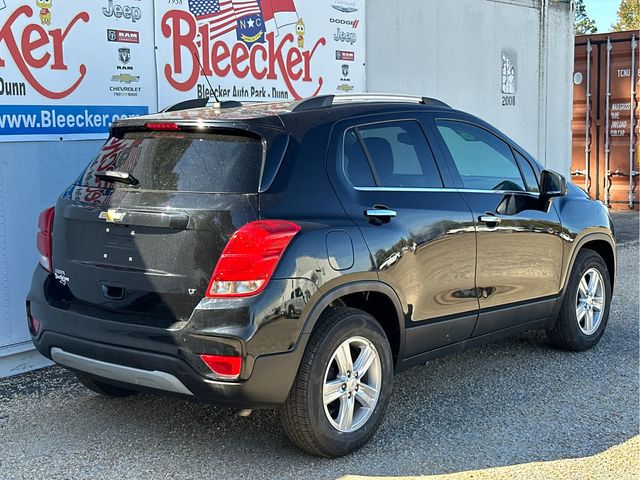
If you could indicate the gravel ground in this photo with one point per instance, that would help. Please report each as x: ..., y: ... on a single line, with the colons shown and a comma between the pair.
x: 619, y: 462
x: 508, y: 404
x: 626, y: 225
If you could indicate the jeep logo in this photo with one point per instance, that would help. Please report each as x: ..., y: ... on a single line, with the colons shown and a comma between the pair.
x: 342, y: 36
x: 127, y: 12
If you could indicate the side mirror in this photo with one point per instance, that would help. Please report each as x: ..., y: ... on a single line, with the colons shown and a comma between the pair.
x: 552, y: 184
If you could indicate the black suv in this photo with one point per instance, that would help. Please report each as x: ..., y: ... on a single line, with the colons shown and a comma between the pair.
x: 298, y: 255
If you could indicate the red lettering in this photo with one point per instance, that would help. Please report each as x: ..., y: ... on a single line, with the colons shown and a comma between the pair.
x: 171, y: 23
x: 258, y: 74
x: 26, y: 61
x: 294, y: 58
x: 204, y: 38
x: 307, y: 62
x: 58, y: 36
x: 108, y: 161
x: 239, y: 54
x: 275, y: 56
x: 219, y: 53
x: 92, y: 197
x: 273, y: 74
x: 30, y: 44
x: 113, y: 144
x: 272, y: 60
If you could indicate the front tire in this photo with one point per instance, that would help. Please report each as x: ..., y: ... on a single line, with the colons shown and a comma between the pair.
x: 585, y: 307
x: 343, y: 385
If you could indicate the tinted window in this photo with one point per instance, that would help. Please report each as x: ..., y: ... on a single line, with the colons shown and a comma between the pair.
x: 529, y: 175
x: 356, y: 165
x: 177, y: 161
x: 400, y: 155
x: 483, y: 160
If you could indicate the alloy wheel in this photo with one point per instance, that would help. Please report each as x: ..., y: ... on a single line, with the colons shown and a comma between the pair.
x: 352, y: 384
x: 590, y: 301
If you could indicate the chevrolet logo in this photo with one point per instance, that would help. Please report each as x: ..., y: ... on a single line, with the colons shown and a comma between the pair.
x: 125, y: 78
x: 112, y: 215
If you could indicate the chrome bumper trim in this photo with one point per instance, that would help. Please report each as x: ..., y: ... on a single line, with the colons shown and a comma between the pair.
x: 120, y: 373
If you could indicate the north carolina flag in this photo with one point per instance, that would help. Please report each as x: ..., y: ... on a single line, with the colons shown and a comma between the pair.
x: 247, y: 17
x: 278, y: 13
x: 250, y: 27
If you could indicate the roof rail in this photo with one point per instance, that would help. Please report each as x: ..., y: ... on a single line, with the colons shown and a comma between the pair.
x: 325, y: 101
x: 201, y: 102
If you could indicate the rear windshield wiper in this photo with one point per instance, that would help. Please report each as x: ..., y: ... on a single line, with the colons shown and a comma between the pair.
x: 115, y: 176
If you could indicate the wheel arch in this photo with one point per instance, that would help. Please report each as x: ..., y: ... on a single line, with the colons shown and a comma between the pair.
x: 600, y: 243
x: 376, y: 298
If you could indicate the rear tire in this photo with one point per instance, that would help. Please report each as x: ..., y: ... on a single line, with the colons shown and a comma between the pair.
x: 585, y: 307
x: 332, y: 411
x: 103, y: 388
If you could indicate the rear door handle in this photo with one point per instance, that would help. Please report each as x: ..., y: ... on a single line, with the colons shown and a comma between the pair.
x: 490, y: 218
x: 380, y: 213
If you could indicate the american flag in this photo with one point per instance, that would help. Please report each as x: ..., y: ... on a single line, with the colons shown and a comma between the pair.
x: 222, y: 15
x: 246, y: 7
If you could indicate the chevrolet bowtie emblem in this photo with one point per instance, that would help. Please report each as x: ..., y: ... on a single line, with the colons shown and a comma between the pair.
x: 125, y: 78
x: 112, y: 215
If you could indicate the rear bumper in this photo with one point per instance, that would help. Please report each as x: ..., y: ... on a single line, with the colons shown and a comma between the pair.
x: 159, y: 360
x: 268, y: 385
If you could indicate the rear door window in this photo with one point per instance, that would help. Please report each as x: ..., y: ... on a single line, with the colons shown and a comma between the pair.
x: 180, y: 161
x: 483, y: 161
x: 356, y: 164
x: 397, y: 152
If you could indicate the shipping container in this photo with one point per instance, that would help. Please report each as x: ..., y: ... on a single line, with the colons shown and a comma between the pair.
x: 606, y: 117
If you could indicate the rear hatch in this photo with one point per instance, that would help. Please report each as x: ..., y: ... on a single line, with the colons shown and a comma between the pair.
x: 143, y: 251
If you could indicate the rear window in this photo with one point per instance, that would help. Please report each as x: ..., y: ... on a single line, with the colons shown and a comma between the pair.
x: 180, y: 161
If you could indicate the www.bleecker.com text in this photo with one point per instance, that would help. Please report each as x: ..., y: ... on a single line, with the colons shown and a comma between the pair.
x: 50, y: 119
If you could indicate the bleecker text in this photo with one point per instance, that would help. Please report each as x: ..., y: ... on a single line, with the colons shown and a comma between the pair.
x: 26, y: 50
x: 276, y: 59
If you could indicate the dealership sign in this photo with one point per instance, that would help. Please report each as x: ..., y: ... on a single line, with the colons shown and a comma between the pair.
x: 69, y: 69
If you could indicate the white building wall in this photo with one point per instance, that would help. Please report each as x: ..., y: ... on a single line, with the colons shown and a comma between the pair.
x: 32, y: 176
x: 452, y: 50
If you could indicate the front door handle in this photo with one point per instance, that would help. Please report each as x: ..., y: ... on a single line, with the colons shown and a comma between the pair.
x: 490, y: 218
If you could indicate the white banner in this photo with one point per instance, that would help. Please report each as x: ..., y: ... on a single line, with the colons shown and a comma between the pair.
x: 259, y: 50
x: 69, y: 69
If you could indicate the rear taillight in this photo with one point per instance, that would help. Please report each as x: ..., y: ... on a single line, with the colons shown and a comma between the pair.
x: 44, y: 238
x: 34, y: 325
x: 225, y: 367
x: 250, y: 258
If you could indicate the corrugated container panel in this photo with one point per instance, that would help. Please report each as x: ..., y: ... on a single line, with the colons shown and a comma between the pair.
x: 606, y: 117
